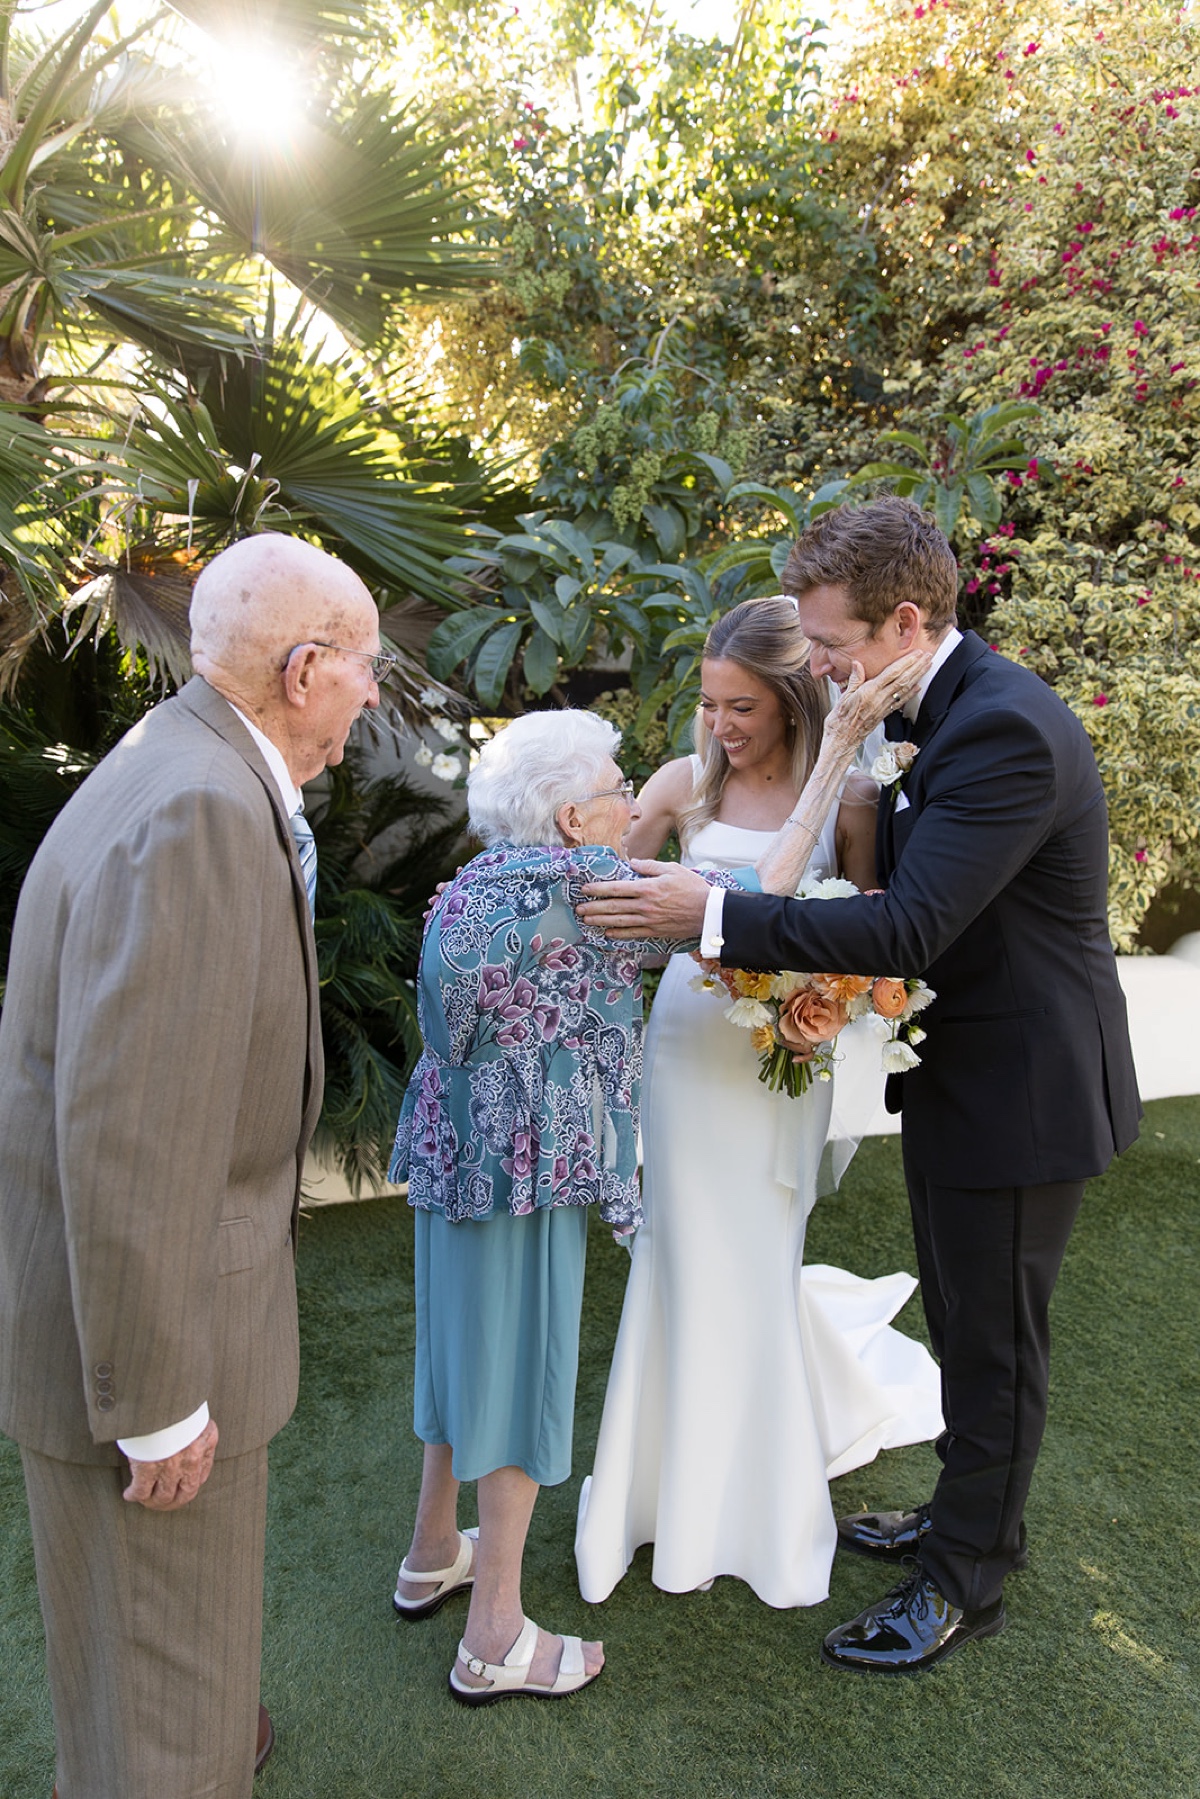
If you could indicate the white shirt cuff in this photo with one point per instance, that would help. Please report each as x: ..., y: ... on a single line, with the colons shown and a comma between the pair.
x: 711, y: 939
x: 157, y: 1445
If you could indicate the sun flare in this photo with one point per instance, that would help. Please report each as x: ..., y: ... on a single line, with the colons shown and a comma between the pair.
x: 261, y: 98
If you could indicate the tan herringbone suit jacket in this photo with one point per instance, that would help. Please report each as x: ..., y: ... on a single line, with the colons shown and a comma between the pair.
x: 160, y: 1076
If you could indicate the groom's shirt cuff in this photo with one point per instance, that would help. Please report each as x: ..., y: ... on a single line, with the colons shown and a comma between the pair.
x: 711, y: 940
x: 746, y: 881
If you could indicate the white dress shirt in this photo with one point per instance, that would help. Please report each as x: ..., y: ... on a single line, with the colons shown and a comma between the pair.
x: 158, y: 1445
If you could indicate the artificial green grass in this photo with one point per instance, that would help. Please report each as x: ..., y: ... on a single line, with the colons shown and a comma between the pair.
x: 1092, y: 1692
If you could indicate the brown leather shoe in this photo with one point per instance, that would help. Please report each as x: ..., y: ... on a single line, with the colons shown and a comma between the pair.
x: 266, y: 1740
x: 262, y: 1749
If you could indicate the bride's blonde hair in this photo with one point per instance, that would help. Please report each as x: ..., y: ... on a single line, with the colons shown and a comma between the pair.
x: 764, y: 638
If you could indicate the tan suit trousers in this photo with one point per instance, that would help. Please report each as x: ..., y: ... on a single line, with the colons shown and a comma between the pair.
x: 154, y: 1629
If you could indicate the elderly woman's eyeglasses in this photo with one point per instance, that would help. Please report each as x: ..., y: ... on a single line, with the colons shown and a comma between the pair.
x: 381, y: 662
x: 625, y: 790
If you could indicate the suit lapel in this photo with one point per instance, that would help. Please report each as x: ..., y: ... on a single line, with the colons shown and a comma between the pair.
x: 946, y: 685
x: 214, y: 711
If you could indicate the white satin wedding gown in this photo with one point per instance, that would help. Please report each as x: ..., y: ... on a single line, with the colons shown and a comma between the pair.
x: 741, y: 1380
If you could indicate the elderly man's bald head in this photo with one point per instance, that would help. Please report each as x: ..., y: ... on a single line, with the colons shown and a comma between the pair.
x: 287, y: 635
x: 261, y: 596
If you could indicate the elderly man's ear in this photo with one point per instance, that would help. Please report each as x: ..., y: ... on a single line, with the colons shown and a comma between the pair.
x: 298, y: 673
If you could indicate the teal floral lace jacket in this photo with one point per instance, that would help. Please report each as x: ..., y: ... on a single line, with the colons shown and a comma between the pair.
x: 526, y: 1093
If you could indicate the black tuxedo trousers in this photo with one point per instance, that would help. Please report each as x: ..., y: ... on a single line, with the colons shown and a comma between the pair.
x: 995, y: 859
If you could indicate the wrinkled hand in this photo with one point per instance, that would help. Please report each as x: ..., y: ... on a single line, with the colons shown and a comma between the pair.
x: 863, y: 704
x: 668, y: 902
x: 167, y: 1486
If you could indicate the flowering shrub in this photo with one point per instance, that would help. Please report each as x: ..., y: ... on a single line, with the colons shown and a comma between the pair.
x: 1036, y: 222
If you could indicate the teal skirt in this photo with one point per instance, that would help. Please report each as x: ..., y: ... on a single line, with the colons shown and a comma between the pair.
x: 497, y: 1351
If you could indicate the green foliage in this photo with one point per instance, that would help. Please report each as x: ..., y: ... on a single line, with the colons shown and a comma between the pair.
x: 960, y: 465
x: 645, y: 743
x: 77, y: 702
x: 153, y: 406
x: 544, y: 597
x: 876, y: 269
x: 371, y: 894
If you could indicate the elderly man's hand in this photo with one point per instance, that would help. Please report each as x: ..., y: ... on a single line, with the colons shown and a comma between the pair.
x: 168, y: 1485
x: 669, y: 902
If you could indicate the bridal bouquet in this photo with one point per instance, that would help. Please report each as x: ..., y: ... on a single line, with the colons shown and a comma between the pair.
x: 788, y: 1012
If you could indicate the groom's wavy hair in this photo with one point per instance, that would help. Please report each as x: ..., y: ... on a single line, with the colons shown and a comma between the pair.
x: 764, y: 638
x: 883, y: 553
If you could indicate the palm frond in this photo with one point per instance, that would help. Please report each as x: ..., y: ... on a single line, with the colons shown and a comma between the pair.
x: 284, y: 439
x: 356, y: 210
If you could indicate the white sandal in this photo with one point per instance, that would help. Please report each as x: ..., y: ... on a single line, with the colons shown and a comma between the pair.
x: 510, y: 1678
x: 455, y: 1579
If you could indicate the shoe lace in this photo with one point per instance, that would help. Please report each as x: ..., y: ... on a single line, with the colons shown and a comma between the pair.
x: 909, y: 1590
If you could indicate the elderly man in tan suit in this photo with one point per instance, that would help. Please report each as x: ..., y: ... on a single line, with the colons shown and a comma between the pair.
x: 160, y: 1076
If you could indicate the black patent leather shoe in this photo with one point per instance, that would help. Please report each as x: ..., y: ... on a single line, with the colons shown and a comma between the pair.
x: 911, y: 1628
x: 886, y: 1536
x: 891, y: 1536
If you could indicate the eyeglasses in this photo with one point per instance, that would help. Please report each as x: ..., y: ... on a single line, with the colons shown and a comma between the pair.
x: 625, y: 790
x: 381, y: 662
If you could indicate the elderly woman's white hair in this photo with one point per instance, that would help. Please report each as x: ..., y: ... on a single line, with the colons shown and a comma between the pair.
x: 536, y: 765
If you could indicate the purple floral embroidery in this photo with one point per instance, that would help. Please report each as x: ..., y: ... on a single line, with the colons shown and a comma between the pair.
x: 528, y: 1019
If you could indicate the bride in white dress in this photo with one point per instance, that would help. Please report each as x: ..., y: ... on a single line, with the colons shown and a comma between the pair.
x: 742, y: 1381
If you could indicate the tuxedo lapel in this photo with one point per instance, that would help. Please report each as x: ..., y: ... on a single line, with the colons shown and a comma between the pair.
x: 946, y: 685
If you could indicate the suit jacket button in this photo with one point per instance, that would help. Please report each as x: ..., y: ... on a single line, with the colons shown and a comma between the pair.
x: 104, y: 1386
x: 105, y: 1403
x: 103, y: 1370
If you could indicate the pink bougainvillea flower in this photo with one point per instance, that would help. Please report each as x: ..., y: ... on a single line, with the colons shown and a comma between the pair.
x: 1100, y: 699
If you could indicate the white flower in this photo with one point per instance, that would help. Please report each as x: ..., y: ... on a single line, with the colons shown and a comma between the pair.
x: 446, y: 729
x: 915, y: 1034
x: 422, y: 755
x: 784, y: 984
x: 920, y: 997
x: 859, y: 1006
x: 431, y: 699
x: 897, y: 1057
x: 749, y: 1014
x: 703, y: 983
x: 833, y: 888
x: 445, y: 768
x: 893, y: 760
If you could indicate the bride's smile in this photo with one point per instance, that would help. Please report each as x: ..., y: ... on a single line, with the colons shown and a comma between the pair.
x: 745, y: 717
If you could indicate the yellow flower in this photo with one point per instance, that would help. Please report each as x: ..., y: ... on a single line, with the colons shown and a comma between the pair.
x: 763, y: 1039
x: 754, y: 986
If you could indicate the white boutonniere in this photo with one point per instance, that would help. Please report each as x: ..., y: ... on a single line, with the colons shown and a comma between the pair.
x: 892, y: 764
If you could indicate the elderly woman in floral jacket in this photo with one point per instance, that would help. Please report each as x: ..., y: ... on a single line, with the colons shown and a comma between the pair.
x: 522, y: 1112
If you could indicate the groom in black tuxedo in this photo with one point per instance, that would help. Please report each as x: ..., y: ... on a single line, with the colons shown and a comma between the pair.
x: 994, y: 851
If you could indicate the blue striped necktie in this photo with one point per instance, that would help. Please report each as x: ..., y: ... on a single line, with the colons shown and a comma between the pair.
x: 307, y: 849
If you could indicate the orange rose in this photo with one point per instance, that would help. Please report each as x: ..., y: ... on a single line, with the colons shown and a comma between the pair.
x: 889, y: 997
x: 808, y: 1017
x: 843, y: 987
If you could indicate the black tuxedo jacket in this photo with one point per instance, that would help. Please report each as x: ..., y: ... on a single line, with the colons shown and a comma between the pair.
x: 996, y: 873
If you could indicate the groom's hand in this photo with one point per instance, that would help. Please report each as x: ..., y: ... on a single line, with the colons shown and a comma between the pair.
x: 669, y: 902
